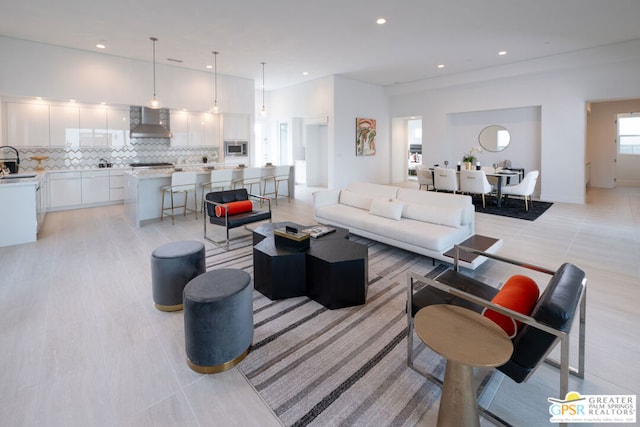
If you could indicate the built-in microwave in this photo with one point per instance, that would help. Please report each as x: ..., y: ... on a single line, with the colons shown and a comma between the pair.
x: 236, y: 149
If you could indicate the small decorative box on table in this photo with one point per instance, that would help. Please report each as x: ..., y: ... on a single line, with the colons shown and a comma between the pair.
x: 292, y: 238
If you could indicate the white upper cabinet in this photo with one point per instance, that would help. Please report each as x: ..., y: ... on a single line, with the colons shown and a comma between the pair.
x: 236, y: 127
x: 118, y: 126
x: 64, y: 129
x: 195, y: 129
x: 211, y: 129
x: 93, y: 126
x: 179, y: 128
x: 27, y: 124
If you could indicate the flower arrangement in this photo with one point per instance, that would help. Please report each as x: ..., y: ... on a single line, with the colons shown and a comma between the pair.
x: 469, y: 157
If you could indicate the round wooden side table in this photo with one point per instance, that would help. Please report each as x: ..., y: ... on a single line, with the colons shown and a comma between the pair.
x: 466, y: 339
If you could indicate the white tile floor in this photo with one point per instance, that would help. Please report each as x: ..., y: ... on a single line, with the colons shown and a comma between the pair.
x: 81, y: 343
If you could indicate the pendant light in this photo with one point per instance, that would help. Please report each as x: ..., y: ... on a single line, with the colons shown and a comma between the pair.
x: 216, y: 108
x: 264, y: 110
x: 154, y: 103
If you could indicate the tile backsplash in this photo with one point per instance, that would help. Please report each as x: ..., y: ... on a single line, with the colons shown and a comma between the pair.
x: 140, y: 150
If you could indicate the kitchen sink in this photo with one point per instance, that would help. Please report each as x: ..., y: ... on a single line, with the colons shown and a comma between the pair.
x: 19, y: 175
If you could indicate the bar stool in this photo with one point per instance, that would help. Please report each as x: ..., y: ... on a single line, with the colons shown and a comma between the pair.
x: 181, y: 182
x: 220, y: 180
x: 251, y: 177
x: 280, y: 174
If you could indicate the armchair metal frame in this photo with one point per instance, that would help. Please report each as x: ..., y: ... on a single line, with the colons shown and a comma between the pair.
x: 563, y: 364
x: 224, y: 244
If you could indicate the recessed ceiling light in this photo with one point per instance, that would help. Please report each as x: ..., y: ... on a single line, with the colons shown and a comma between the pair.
x: 381, y: 21
x: 72, y: 100
x: 305, y: 73
x: 502, y: 52
x: 209, y: 66
x: 440, y: 65
x: 101, y: 45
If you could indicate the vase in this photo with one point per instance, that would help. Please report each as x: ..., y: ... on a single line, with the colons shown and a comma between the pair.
x: 468, y: 166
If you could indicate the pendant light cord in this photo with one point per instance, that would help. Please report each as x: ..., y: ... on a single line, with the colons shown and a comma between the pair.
x: 154, y: 40
x: 263, y: 109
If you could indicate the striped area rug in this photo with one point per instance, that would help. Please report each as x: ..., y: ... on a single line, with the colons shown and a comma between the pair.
x: 347, y: 367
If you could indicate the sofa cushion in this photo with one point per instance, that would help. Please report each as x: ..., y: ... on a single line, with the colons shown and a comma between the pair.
x: 451, y: 217
x: 387, y: 208
x: 356, y: 200
x: 373, y: 190
x: 432, y: 198
x: 519, y: 294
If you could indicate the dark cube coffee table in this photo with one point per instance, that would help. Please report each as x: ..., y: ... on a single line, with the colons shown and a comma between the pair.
x: 340, y: 269
x: 278, y: 272
x: 337, y: 273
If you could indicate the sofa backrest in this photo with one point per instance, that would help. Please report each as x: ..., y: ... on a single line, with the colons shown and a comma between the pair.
x: 441, y: 200
x: 360, y: 194
x: 226, y: 196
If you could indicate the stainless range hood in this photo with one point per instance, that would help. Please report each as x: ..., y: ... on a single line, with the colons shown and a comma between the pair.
x: 150, y: 126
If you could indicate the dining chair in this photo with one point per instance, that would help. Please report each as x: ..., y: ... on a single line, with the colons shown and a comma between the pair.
x: 475, y: 182
x: 181, y: 183
x: 425, y: 177
x: 524, y: 188
x: 445, y: 180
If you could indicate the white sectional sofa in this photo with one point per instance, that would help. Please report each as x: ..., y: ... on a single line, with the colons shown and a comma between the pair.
x: 423, y: 222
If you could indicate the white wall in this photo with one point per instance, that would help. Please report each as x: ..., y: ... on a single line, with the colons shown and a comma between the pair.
x: 341, y: 100
x: 562, y: 94
x: 355, y: 99
x: 36, y: 69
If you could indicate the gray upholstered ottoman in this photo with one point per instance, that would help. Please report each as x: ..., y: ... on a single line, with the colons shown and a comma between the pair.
x: 173, y: 265
x: 218, y: 320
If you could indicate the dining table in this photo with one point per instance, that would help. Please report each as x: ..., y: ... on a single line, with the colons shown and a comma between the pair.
x: 501, y: 175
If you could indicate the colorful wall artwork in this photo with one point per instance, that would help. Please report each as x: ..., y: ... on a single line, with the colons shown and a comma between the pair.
x: 365, y: 137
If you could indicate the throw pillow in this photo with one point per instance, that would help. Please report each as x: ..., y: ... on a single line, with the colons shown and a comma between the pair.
x: 235, y: 208
x: 356, y: 200
x: 387, y: 208
x: 520, y: 294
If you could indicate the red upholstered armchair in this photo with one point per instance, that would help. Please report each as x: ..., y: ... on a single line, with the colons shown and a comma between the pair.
x: 230, y: 210
x: 548, y: 323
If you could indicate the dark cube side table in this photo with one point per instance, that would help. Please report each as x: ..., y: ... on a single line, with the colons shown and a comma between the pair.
x: 337, y: 273
x: 278, y: 272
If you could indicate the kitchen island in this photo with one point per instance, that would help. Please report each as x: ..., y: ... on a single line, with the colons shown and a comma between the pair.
x: 21, y: 212
x: 143, y: 189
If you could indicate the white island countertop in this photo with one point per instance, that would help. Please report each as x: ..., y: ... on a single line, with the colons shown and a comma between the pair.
x: 143, y: 188
x: 21, y: 202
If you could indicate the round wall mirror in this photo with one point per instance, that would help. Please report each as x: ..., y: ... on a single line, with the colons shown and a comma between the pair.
x: 494, y: 138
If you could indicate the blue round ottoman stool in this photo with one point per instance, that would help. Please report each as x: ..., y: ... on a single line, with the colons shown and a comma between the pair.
x: 218, y: 320
x: 173, y: 265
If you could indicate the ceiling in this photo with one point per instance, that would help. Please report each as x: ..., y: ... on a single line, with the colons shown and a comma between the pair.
x: 330, y: 37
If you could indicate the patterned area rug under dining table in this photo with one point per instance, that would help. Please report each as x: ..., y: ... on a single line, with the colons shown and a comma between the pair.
x: 315, y: 366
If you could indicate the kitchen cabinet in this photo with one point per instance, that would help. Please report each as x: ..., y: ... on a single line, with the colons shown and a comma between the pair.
x: 27, y: 124
x: 93, y: 126
x: 64, y: 128
x: 236, y: 127
x: 116, y: 185
x: 95, y: 187
x: 65, y: 190
x: 19, y: 213
x: 179, y: 128
x: 118, y: 126
x: 195, y: 129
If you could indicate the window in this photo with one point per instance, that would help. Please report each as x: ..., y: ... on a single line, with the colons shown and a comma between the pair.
x: 629, y: 133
